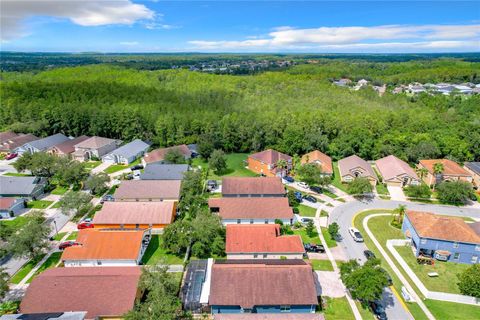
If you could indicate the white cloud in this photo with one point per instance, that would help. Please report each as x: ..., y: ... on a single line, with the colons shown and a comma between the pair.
x: 82, y: 12
x: 129, y: 43
x: 156, y: 25
x: 346, y: 38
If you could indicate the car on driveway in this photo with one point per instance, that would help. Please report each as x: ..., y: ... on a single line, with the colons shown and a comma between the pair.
x: 298, y: 196
x: 137, y: 167
x: 67, y: 244
x: 310, y: 198
x: 378, y: 310
x: 107, y: 197
x: 84, y: 225
x: 356, y: 235
x: 288, y: 179
x: 316, y: 189
x: 303, y: 185
x: 302, y: 220
x: 310, y: 247
x: 11, y: 156
x: 369, y: 254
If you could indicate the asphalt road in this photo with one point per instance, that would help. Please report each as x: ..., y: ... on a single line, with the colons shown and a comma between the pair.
x: 344, y: 215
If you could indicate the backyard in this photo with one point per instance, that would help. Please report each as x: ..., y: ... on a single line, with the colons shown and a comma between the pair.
x: 235, y: 166
x: 155, y: 253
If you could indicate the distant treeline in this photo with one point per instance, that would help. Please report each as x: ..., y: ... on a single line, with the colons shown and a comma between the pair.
x: 294, y: 111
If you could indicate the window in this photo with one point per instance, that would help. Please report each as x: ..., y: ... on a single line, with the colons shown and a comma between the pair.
x: 251, y: 221
x: 423, y: 241
x: 474, y: 259
x: 455, y: 245
x: 137, y: 226
x: 265, y: 256
x: 239, y: 221
x: 284, y: 308
x: 99, y: 262
x: 255, y: 256
x: 456, y: 256
x: 477, y: 248
x: 266, y: 221
x: 122, y: 226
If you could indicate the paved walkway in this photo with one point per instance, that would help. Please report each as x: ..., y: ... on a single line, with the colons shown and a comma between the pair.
x: 102, y: 166
x: 396, y: 193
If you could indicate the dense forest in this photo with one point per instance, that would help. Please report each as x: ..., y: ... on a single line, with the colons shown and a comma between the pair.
x: 293, y: 110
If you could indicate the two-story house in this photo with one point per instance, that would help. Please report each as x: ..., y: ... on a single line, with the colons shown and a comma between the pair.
x: 252, y: 187
x: 267, y: 163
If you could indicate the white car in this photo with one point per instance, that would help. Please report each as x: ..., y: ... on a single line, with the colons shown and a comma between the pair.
x: 356, y: 235
x: 303, y: 185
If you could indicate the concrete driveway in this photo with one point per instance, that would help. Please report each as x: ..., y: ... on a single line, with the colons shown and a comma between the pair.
x: 396, y: 193
x: 328, y: 284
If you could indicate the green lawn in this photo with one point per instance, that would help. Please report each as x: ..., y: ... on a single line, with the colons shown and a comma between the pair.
x: 51, y: 262
x: 323, y: 213
x: 336, y: 178
x: 452, y: 311
x: 305, y: 238
x: 16, y: 174
x: 366, y: 313
x: 117, y: 167
x: 382, y: 189
x: 112, y: 189
x: 320, y: 265
x: 59, y: 190
x: 337, y: 309
x: 56, y: 205
x: 306, y: 211
x: 330, y: 242
x: 59, y: 236
x: 17, y: 277
x: 155, y: 253
x: 447, y: 279
x: 72, y: 235
x: 89, y: 165
x: 235, y: 166
x: 329, y: 194
x: 38, y: 204
x: 16, y: 223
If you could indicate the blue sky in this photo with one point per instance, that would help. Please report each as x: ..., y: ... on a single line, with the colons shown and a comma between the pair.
x: 240, y: 26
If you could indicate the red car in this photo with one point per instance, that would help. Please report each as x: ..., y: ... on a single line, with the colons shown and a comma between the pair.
x: 10, y: 156
x: 84, y: 225
x: 67, y: 244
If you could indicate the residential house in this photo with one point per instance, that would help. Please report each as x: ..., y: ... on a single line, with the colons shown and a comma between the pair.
x: 42, y: 144
x: 10, y: 207
x: 261, y: 241
x: 262, y: 286
x: 127, y: 153
x: 46, y: 316
x: 66, y: 149
x: 396, y: 172
x: 130, y: 215
x: 252, y: 187
x: 268, y: 316
x: 353, y: 167
x: 148, y: 190
x: 252, y: 210
x: 6, y: 136
x: 443, y: 237
x: 29, y: 187
x: 452, y: 171
x: 94, y: 148
x: 102, y: 292
x: 158, y: 155
x: 474, y: 169
x: 320, y: 159
x: 158, y: 171
x: 11, y: 144
x: 107, y: 247
x: 266, y: 163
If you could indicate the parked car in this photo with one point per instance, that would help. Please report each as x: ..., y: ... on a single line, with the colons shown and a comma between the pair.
x: 316, y: 189
x: 298, y: 196
x: 288, y: 179
x: 303, y: 220
x: 137, y: 167
x: 369, y: 254
x: 389, y: 278
x: 310, y: 247
x: 107, y: 197
x: 378, y: 310
x: 84, y: 225
x: 211, y: 185
x: 303, y: 185
x: 310, y: 198
x: 67, y: 244
x: 11, y: 156
x: 87, y: 220
x: 356, y: 235
x: 129, y: 176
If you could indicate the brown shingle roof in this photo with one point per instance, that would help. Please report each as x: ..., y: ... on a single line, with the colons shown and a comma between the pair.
x: 346, y: 165
x: 101, y: 291
x: 256, y: 284
x: 246, y: 238
x: 159, y: 154
x: 135, y: 213
x: 105, y: 244
x: 268, y: 316
x: 429, y: 225
x: 148, y: 189
x: 252, y: 208
x: 6, y: 203
x: 450, y: 167
x: 319, y: 158
x: 18, y: 141
x: 7, y: 135
x: 391, y: 167
x: 270, y: 156
x: 68, y: 147
x: 94, y: 142
x: 260, y: 185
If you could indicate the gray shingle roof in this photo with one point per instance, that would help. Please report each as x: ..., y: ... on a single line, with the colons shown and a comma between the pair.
x: 17, y: 185
x: 50, y: 141
x: 156, y: 171
x: 131, y: 149
x: 473, y: 166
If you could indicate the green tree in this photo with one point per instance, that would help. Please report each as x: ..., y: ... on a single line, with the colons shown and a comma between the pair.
x: 160, y: 298
x: 469, y: 281
x: 438, y: 172
x: 191, y: 194
x: 205, y: 146
x: 174, y: 156
x: 455, y: 192
x: 97, y: 183
x: 311, y: 174
x: 292, y: 200
x: 365, y: 283
x: 39, y: 164
x: 32, y: 239
x: 177, y: 236
x: 400, y: 213
x: 333, y: 229
x: 310, y: 228
x: 282, y: 165
x: 421, y: 191
x: 70, y: 172
x: 4, y: 277
x: 218, y: 161
x: 359, y: 186
x: 75, y: 202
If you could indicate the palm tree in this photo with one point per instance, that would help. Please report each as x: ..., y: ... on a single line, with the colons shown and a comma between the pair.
x: 282, y: 164
x: 296, y: 163
x: 422, y: 173
x: 438, y: 172
x: 400, y: 212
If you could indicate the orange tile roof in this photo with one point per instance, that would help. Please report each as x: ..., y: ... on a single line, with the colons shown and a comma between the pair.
x: 252, y: 208
x: 250, y: 185
x: 264, y: 238
x: 450, y: 167
x: 270, y: 156
x: 135, y: 213
x: 434, y: 226
x: 105, y: 244
x: 6, y: 203
x: 319, y: 157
